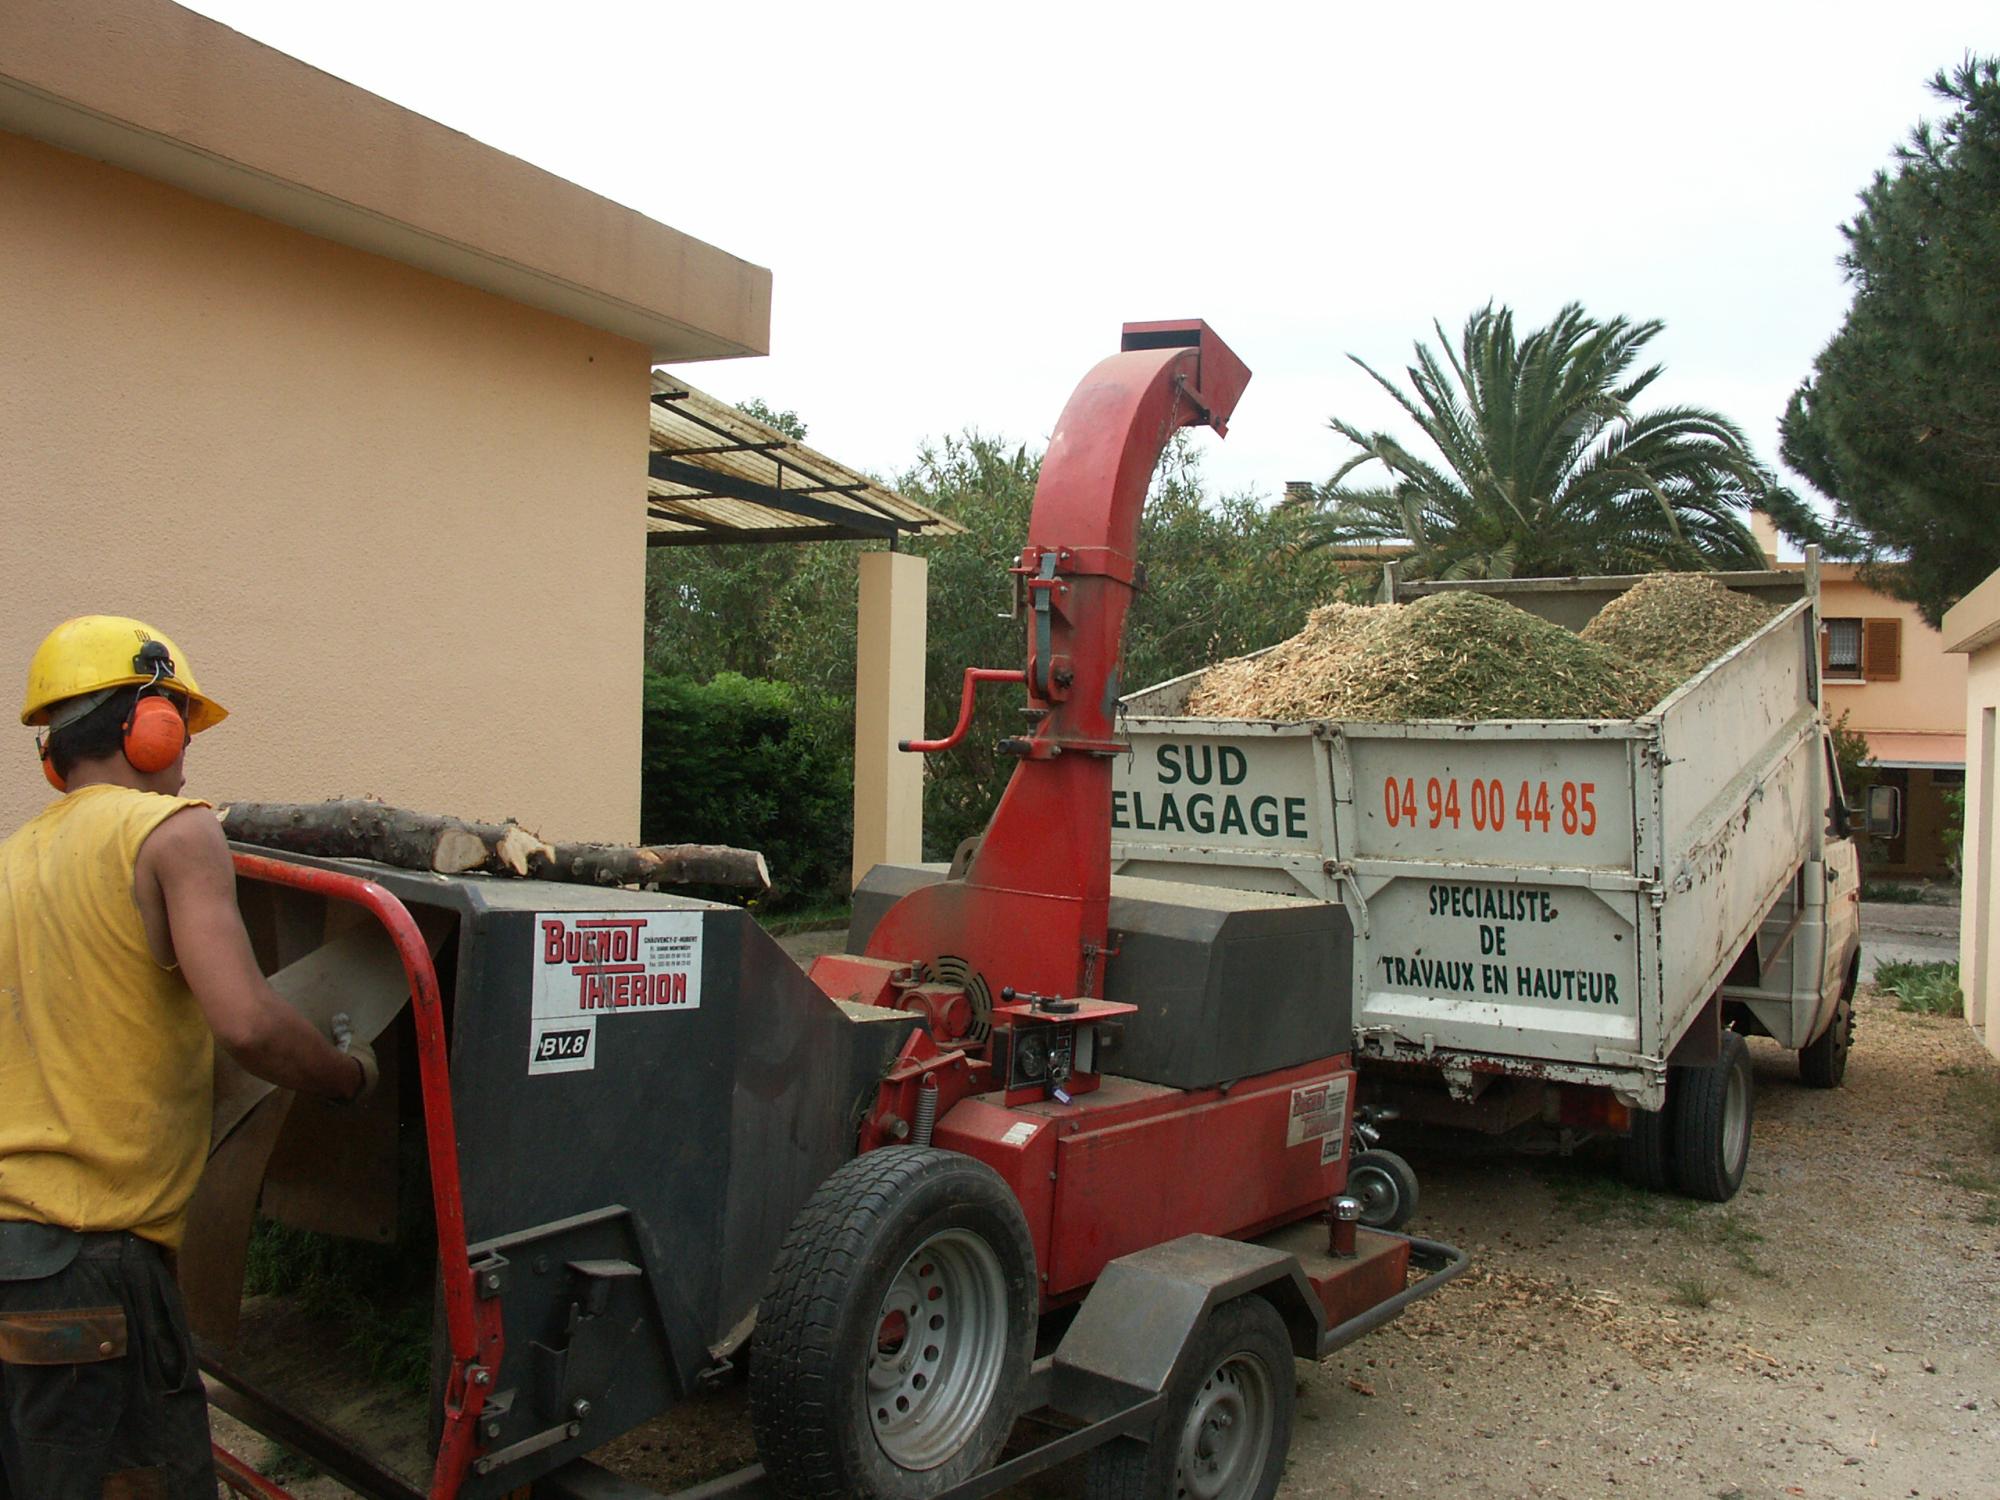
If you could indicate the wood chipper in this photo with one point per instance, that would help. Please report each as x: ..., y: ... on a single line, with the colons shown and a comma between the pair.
x: 1041, y: 1143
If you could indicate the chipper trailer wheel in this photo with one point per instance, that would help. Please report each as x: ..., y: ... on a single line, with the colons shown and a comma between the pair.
x: 1386, y: 1186
x: 1712, y: 1110
x: 1227, y: 1421
x: 893, y: 1341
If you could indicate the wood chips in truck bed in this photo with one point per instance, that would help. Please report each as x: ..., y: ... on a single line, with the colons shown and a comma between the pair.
x: 1472, y: 656
x: 1677, y: 623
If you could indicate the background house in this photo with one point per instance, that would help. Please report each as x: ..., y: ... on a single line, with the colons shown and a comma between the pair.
x: 1889, y: 675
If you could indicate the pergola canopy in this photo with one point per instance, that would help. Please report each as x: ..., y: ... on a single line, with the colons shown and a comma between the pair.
x: 716, y: 475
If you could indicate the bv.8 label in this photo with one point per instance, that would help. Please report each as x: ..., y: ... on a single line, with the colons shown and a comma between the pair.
x: 1536, y: 806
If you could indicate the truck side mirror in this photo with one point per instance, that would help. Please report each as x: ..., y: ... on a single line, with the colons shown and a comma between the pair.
x: 1884, y: 813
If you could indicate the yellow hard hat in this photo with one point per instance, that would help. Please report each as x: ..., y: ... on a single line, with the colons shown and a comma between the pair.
x: 96, y: 652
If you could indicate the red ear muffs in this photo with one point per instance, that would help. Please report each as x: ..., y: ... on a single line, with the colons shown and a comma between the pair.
x: 155, y: 734
x: 49, y: 769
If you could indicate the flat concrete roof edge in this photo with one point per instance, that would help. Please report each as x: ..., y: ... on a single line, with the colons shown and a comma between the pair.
x: 152, y: 88
x: 1973, y: 623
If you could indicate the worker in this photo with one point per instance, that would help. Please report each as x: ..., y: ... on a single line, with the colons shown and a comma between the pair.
x: 123, y: 959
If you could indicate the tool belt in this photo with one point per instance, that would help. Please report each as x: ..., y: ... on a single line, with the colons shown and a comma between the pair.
x: 60, y: 1336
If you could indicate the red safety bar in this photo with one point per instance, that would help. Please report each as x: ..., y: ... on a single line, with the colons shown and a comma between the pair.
x: 239, y: 1478
x: 472, y: 1325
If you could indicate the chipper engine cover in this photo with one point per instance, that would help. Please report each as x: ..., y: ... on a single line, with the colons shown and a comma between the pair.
x: 1228, y: 984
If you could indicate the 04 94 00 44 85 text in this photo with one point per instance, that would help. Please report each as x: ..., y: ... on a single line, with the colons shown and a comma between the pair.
x: 1484, y: 804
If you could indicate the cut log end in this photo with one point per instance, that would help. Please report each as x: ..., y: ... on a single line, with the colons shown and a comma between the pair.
x: 458, y: 850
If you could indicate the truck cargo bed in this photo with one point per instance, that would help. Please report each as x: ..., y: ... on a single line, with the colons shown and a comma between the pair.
x: 1554, y: 898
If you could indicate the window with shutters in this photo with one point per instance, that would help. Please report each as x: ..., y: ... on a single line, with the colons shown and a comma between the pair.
x: 1842, y: 648
x: 1882, y: 650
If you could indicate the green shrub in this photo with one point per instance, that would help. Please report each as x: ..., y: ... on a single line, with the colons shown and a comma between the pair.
x: 1929, y: 989
x: 1893, y: 893
x: 746, y: 762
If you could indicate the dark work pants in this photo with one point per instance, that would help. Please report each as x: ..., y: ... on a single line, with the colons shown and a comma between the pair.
x: 99, y: 1393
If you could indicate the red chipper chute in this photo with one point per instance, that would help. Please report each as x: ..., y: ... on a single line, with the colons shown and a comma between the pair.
x: 1031, y: 907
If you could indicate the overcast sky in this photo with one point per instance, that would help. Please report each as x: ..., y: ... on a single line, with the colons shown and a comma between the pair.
x: 961, y: 204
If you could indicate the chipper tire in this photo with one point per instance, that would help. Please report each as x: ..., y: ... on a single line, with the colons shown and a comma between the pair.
x: 1227, y: 1422
x: 894, y: 1337
x: 1386, y: 1186
x: 1713, y: 1108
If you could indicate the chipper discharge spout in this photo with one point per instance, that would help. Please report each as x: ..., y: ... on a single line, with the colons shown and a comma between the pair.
x: 1034, y: 901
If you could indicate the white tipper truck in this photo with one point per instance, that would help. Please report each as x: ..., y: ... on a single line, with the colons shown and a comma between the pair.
x: 1566, y: 924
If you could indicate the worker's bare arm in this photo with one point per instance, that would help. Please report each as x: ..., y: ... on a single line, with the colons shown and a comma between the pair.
x: 187, y: 860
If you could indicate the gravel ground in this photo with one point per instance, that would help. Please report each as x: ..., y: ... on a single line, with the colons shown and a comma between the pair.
x: 1834, y: 1332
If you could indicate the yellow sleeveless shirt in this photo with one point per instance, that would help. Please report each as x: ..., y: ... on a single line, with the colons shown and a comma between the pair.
x: 106, y: 1062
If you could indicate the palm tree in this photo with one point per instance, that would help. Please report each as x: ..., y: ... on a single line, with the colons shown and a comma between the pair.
x: 1545, y: 468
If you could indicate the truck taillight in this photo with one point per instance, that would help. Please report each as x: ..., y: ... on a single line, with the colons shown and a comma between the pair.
x: 1591, y: 1109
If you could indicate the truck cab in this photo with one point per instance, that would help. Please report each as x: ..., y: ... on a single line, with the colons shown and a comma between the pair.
x: 1795, y: 981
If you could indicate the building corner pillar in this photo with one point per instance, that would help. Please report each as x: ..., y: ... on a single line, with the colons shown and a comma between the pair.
x: 889, y: 706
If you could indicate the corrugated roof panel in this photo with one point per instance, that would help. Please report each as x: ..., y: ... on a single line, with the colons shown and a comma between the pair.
x: 808, y: 492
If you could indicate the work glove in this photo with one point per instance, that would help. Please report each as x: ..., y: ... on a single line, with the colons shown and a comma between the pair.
x: 350, y: 1045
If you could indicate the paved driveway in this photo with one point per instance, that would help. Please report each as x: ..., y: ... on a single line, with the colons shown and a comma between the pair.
x: 1914, y: 933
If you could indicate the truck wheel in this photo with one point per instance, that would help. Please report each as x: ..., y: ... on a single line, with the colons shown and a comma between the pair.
x: 1386, y: 1186
x: 893, y: 1340
x: 1227, y: 1423
x: 1712, y: 1109
x: 1643, y: 1156
x: 1823, y: 1060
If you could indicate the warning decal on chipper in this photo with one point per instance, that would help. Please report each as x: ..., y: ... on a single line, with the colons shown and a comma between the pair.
x: 592, y: 964
x: 1319, y: 1113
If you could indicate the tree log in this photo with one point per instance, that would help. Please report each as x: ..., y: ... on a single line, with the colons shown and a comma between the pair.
x: 354, y: 828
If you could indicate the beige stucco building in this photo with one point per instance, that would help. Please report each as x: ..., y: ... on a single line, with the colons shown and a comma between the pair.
x: 354, y: 407
x: 1972, y: 631
x: 1890, y: 676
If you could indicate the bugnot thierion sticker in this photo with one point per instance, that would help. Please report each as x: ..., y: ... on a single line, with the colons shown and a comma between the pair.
x: 592, y: 964
x: 1318, y: 1112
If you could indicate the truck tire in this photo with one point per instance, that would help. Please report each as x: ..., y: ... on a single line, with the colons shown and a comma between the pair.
x: 1823, y: 1060
x: 1713, y: 1108
x: 1386, y: 1186
x: 1645, y: 1157
x: 1227, y: 1422
x: 894, y: 1337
